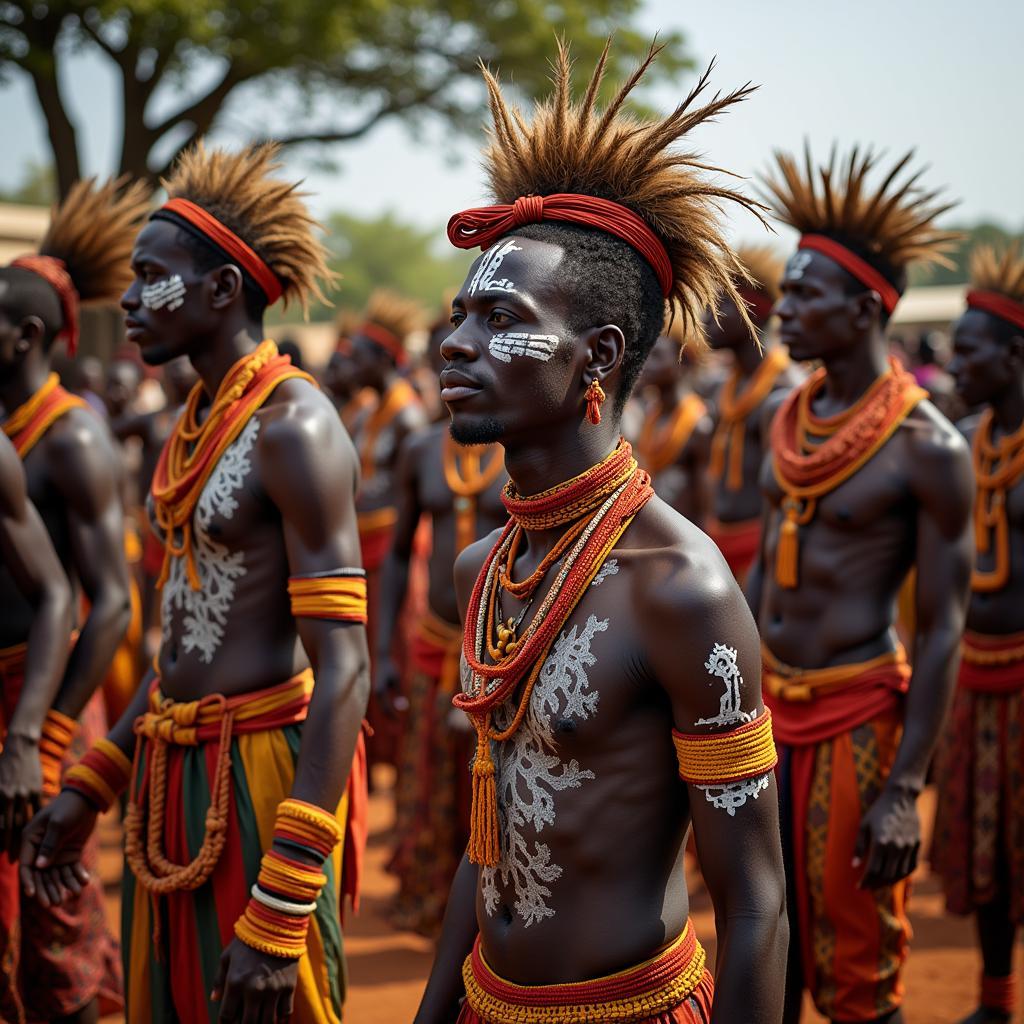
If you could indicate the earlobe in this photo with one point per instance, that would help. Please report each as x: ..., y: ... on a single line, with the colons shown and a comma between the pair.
x: 227, y: 286
x: 32, y: 330
x: 606, y: 348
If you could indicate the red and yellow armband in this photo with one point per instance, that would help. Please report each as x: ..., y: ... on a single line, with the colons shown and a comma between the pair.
x: 58, y: 732
x: 102, y: 775
x: 284, y: 896
x: 338, y: 595
x: 719, y: 759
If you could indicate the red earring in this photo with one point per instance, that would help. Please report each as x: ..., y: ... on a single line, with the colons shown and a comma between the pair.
x: 595, y: 396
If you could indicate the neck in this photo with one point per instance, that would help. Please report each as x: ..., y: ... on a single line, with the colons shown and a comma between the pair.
x: 29, y: 376
x: 1008, y: 409
x: 850, y: 373
x: 748, y: 357
x: 212, y: 363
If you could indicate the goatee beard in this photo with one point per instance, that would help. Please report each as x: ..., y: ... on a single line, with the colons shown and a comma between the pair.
x: 485, y: 431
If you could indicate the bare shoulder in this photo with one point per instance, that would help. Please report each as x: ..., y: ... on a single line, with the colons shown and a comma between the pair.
x: 12, y: 480
x: 299, y: 414
x: 933, y: 441
x: 80, y: 452
x: 968, y: 426
x: 468, y: 565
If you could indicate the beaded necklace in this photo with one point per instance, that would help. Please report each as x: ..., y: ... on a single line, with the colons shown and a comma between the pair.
x: 31, y: 420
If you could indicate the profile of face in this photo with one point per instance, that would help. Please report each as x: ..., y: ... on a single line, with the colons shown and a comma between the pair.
x: 728, y: 332
x: 663, y: 367
x: 170, y: 308
x: 512, y: 364
x: 122, y: 387
x: 17, y: 334
x: 983, y: 364
x: 823, y: 311
x: 339, y: 378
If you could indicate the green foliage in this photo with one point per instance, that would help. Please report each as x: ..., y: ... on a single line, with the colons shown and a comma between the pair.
x: 38, y: 186
x: 985, y: 233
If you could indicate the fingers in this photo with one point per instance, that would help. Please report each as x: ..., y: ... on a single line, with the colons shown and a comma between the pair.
x: 52, y: 888
x: 27, y: 857
x: 230, y: 1004
x: 69, y: 880
x: 861, y: 846
x: 222, y: 973
x: 286, y: 1004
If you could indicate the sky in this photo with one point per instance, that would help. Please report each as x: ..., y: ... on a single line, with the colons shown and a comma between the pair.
x: 943, y: 76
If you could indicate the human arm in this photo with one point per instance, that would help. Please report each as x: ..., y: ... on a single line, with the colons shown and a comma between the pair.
x: 83, y: 467
x: 688, y: 611
x: 394, y: 574
x: 307, y: 468
x: 889, y: 840
x: 27, y: 554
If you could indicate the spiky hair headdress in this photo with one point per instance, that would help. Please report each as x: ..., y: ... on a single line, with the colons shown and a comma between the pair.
x: 389, y: 319
x: 243, y: 201
x: 84, y: 255
x: 997, y: 282
x: 574, y: 153
x: 887, y: 226
x: 764, y: 268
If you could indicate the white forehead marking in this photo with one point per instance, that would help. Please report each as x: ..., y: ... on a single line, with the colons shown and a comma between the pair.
x: 170, y: 293
x: 722, y: 663
x: 483, y: 279
x: 536, y: 346
x: 798, y: 264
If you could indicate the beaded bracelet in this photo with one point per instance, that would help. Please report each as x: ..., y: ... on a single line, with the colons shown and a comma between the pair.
x: 101, y: 776
x: 58, y: 732
x: 718, y: 759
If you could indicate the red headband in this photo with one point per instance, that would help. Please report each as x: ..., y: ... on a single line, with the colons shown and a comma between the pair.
x: 224, y: 238
x: 385, y: 339
x: 760, y: 304
x: 486, y: 224
x: 853, y: 264
x: 55, y: 273
x: 998, y: 305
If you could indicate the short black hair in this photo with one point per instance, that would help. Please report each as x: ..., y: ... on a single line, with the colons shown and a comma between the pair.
x: 205, y: 256
x: 607, y: 282
x: 27, y: 294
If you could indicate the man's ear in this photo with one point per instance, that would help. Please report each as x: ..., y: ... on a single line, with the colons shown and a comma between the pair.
x: 31, y: 330
x: 867, y: 308
x: 605, y: 348
x: 227, y: 286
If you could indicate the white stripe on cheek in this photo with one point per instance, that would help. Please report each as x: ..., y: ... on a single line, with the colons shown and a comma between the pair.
x: 169, y: 294
x: 536, y: 346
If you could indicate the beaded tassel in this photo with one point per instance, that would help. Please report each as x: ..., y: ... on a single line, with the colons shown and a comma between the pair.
x: 595, y: 397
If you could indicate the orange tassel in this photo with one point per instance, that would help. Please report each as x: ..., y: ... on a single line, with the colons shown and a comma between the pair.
x: 787, y: 553
x: 595, y: 397
x: 484, y: 844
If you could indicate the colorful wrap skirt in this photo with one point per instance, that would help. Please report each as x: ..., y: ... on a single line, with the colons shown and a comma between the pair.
x: 978, y: 848
x: 673, y: 987
x: 54, y: 960
x: 837, y: 731
x: 173, y: 941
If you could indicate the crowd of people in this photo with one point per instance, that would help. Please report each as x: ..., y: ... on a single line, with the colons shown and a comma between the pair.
x: 638, y: 536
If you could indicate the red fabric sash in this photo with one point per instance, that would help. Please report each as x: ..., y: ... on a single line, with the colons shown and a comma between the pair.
x: 55, y: 273
x: 998, y: 305
x: 853, y: 264
x: 992, y: 664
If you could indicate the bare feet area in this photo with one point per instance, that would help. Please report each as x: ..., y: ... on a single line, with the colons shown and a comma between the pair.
x: 387, y: 969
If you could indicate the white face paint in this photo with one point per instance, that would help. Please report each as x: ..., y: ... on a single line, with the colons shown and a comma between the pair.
x: 798, y: 264
x: 536, y: 346
x: 168, y: 294
x: 484, y: 278
x: 722, y: 663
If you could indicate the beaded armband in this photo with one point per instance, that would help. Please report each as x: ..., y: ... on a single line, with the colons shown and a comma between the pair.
x: 729, y: 766
x: 58, y: 732
x: 102, y: 775
x: 286, y: 891
x: 339, y: 594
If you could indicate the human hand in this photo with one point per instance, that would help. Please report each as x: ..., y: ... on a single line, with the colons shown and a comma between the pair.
x: 51, y: 849
x: 254, y: 987
x: 889, y: 839
x: 21, y: 786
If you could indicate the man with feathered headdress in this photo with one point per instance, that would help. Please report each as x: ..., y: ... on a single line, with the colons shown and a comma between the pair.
x: 248, y: 726
x: 979, y: 832
x: 867, y: 480
x: 758, y: 371
x: 67, y: 957
x: 599, y: 617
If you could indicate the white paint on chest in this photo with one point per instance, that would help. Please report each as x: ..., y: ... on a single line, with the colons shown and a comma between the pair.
x: 168, y: 293
x: 485, y: 278
x: 537, y: 346
x: 197, y: 618
x: 530, y: 773
x: 610, y: 568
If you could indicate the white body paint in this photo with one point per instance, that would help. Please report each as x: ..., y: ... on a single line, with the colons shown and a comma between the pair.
x: 536, y: 346
x: 722, y: 663
x: 610, y: 568
x: 484, y: 278
x: 734, y: 795
x: 169, y: 294
x: 798, y: 264
x: 204, y: 612
x: 530, y: 773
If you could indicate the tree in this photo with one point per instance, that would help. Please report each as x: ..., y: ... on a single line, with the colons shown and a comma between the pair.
x: 299, y: 71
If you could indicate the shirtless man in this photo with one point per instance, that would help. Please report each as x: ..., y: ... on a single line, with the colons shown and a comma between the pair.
x: 674, y: 445
x: 979, y: 831
x: 248, y: 729
x: 459, y: 489
x: 73, y: 478
x: 758, y: 371
x: 574, y: 869
x: 866, y: 480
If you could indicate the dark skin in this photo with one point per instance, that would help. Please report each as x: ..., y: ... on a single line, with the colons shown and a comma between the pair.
x: 730, y: 334
x: 295, y: 516
x: 123, y: 379
x: 421, y: 490
x: 910, y: 505
x: 30, y: 561
x: 684, y: 484
x: 615, y: 903
x: 988, y: 368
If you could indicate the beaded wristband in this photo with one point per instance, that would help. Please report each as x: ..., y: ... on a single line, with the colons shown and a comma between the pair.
x: 284, y: 906
x: 101, y: 776
x: 341, y: 596
x: 58, y: 732
x: 718, y: 759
